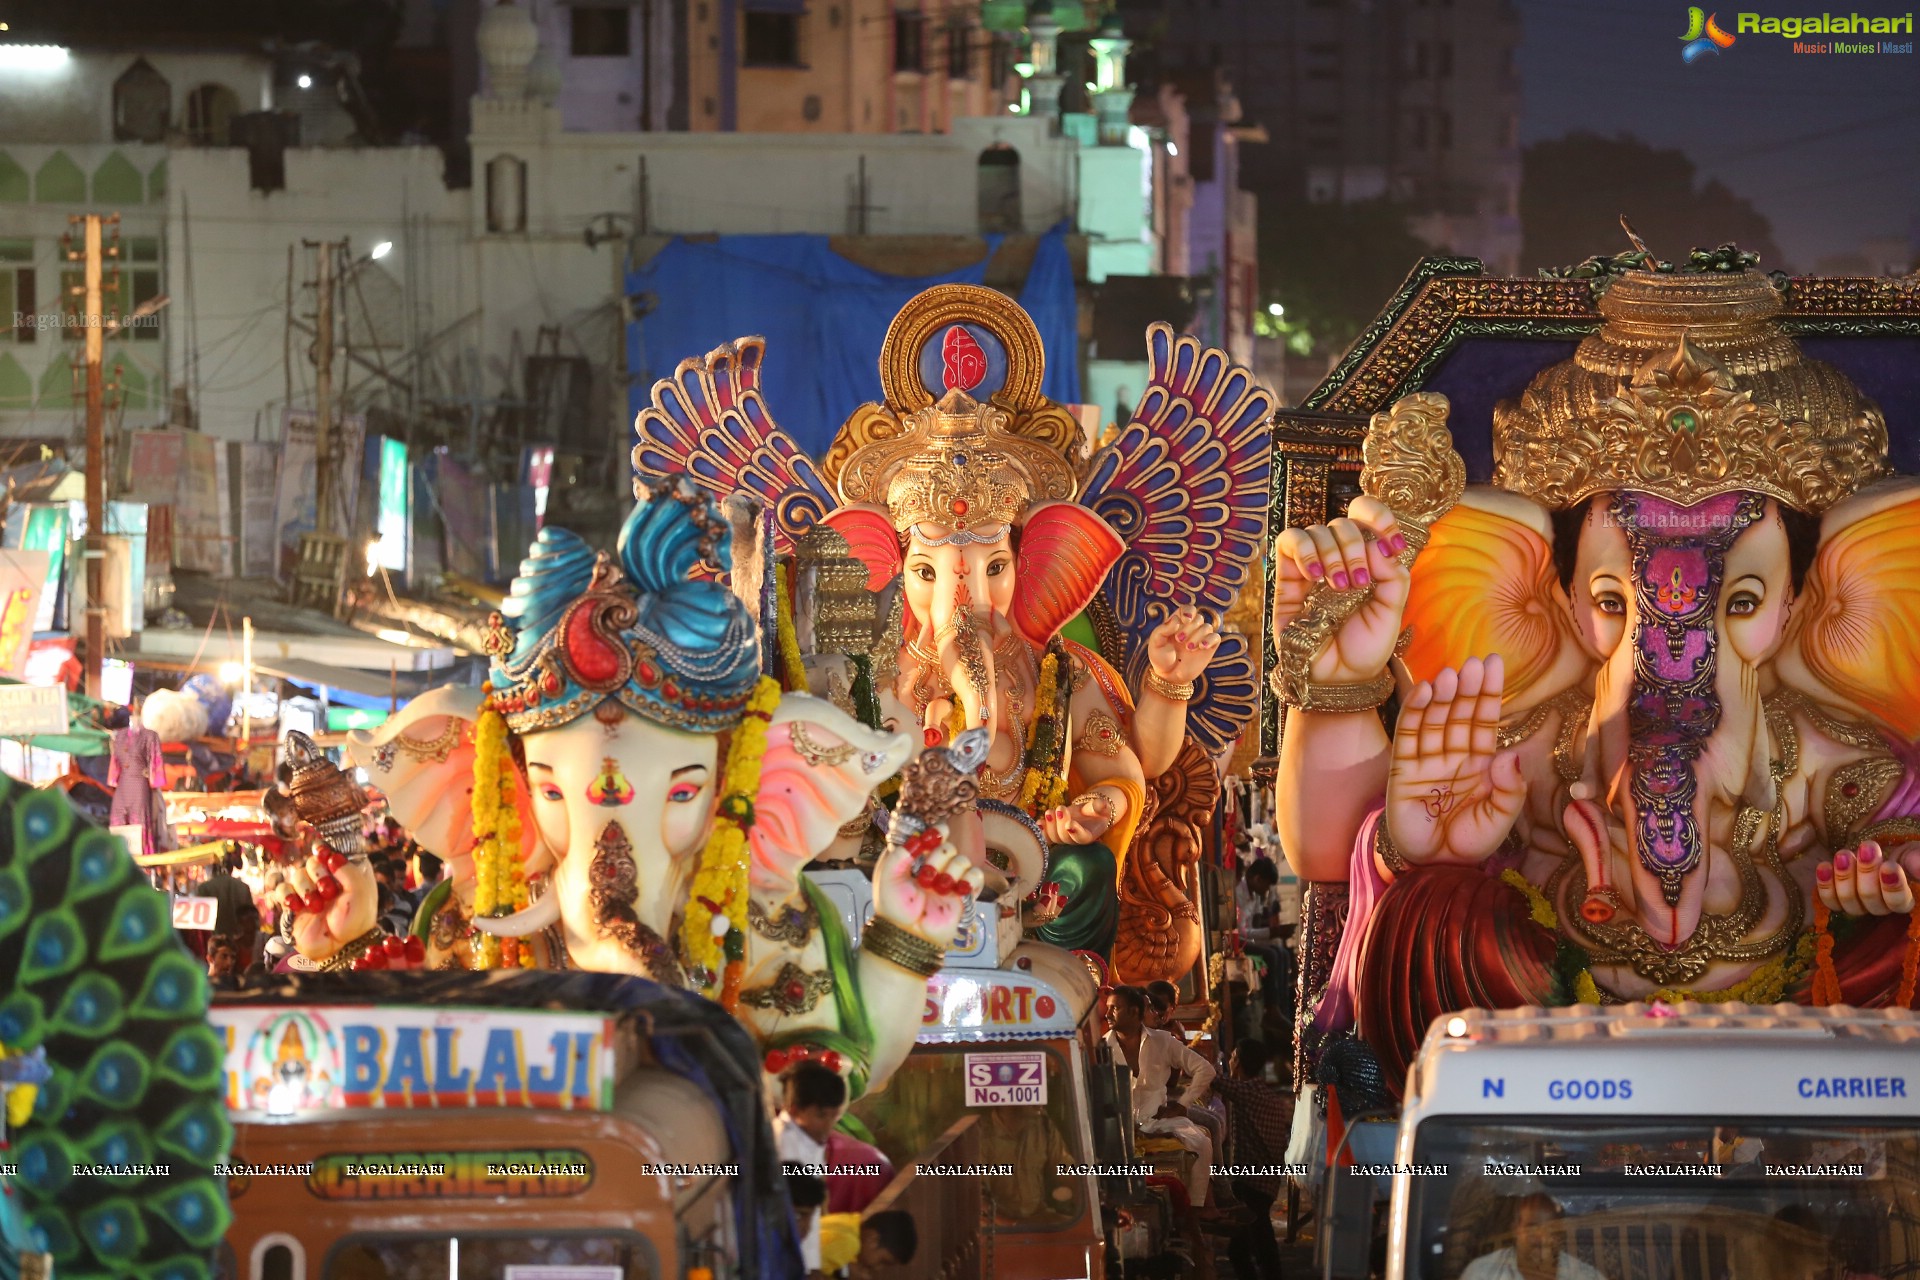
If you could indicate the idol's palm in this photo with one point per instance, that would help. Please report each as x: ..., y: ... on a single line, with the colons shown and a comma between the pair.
x: 1452, y: 795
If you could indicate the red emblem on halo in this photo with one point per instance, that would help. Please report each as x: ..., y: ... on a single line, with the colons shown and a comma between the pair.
x: 966, y: 363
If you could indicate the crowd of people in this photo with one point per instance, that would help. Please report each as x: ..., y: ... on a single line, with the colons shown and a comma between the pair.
x: 833, y: 1177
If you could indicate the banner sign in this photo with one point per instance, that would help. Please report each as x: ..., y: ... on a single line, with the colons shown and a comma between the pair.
x: 23, y: 577
x: 991, y: 1004
x: 403, y: 1057
x: 200, y: 540
x: 295, y: 507
x: 28, y: 709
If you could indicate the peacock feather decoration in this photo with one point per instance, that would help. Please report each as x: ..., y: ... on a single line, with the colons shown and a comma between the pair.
x: 116, y: 1159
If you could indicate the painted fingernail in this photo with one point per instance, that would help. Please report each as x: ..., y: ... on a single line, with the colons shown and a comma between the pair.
x: 1339, y: 579
x: 1397, y: 543
x: 1823, y: 873
x: 1843, y: 862
x: 1869, y: 855
x: 1316, y: 570
x: 1179, y: 635
x: 1361, y: 577
x: 1890, y: 877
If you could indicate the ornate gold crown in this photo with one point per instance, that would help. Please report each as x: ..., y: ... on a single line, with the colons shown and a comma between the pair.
x: 956, y: 465
x: 1720, y: 400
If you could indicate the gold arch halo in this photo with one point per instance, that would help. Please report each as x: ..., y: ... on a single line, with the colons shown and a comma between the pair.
x: 931, y: 311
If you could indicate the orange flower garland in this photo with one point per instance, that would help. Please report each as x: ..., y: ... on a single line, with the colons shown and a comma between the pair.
x: 500, y: 884
x: 714, y: 926
x: 1826, y: 982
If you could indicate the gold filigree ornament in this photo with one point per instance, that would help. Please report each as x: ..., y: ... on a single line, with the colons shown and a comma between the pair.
x: 1720, y: 401
x: 958, y: 467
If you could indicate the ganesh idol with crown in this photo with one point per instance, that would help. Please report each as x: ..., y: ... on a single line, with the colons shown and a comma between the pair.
x: 960, y: 561
x: 1658, y: 730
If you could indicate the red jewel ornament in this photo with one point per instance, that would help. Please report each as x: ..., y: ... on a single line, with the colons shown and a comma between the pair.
x: 926, y: 876
x: 416, y: 949
x: 926, y: 842
x: 796, y: 991
x: 930, y: 737
x: 595, y: 660
x: 332, y: 861
x: 832, y: 1061
x: 394, y: 947
x: 944, y: 883
x: 960, y: 506
x: 776, y: 1061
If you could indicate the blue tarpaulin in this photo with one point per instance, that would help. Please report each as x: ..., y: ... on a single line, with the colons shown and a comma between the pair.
x: 823, y: 317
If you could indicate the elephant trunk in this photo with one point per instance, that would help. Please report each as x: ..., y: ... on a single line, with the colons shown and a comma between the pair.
x: 1674, y: 706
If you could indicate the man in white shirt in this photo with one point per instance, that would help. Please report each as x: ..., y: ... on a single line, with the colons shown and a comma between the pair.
x: 1535, y: 1253
x: 1155, y: 1058
x: 813, y: 1099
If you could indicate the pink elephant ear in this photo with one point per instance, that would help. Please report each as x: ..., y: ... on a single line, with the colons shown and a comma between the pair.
x: 870, y: 535
x: 1065, y: 552
x: 802, y: 803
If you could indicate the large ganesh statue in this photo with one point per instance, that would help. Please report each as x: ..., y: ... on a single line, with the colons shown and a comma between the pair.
x: 1658, y: 725
x: 960, y: 561
x: 629, y: 794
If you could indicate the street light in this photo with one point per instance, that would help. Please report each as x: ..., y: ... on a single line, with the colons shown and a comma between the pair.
x: 381, y: 250
x: 305, y: 81
x: 1275, y: 310
x: 232, y: 672
x: 32, y: 57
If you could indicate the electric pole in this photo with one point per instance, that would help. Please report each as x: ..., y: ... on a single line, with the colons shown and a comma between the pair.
x: 323, y: 391
x: 93, y: 254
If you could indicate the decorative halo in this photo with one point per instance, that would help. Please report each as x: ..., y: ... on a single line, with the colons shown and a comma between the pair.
x: 967, y: 337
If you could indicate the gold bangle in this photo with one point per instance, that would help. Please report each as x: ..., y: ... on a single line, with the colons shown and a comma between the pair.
x: 1168, y: 689
x: 1390, y: 856
x: 1338, y: 698
x: 1100, y: 798
x: 909, y: 951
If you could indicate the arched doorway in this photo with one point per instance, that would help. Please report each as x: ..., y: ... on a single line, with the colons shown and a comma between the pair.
x: 210, y: 112
x: 142, y: 104
x: 999, y: 187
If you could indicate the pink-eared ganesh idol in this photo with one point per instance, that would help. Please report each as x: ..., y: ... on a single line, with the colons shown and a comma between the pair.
x: 1658, y: 730
x: 630, y: 795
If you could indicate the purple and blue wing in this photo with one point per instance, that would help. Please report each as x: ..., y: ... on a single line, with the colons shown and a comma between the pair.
x: 1186, y: 487
x: 710, y: 421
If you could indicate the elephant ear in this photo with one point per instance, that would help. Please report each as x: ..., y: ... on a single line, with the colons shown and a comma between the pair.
x: 1065, y: 552
x: 1484, y: 584
x: 870, y: 537
x: 1859, y: 629
x: 421, y: 760
x: 819, y: 767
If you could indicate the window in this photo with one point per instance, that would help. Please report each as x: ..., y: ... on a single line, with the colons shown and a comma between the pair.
x: 506, y: 194
x: 1443, y: 59
x: 18, y: 321
x: 1443, y: 130
x: 999, y: 178
x: 959, y: 51
x: 909, y: 42
x: 142, y: 104
x: 601, y: 32
x: 772, y: 39
x: 999, y: 62
x: 1323, y: 62
x: 210, y: 112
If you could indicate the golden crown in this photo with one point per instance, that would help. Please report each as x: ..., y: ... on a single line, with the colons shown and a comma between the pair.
x: 1720, y: 400
x: 956, y: 465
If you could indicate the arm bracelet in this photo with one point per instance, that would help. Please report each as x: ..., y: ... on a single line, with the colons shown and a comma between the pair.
x: 1309, y: 696
x: 1383, y: 845
x: 909, y: 951
x: 1168, y: 689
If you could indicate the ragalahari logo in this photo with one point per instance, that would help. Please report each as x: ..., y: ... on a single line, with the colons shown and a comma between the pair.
x: 1703, y: 36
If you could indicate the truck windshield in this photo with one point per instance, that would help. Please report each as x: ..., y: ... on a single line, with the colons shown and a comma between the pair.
x: 1681, y: 1199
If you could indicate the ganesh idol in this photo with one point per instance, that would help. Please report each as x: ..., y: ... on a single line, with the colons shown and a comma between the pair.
x: 960, y: 558
x: 1657, y: 706
x: 629, y: 794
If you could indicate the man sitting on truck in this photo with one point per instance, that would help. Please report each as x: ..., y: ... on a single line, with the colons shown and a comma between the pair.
x: 1155, y: 1058
x: 1535, y: 1253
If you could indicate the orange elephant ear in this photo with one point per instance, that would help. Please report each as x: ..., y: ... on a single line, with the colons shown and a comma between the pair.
x: 870, y: 536
x: 1485, y: 584
x: 1065, y: 552
x: 1860, y: 637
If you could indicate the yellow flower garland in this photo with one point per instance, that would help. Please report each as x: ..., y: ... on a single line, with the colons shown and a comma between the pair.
x: 722, y: 876
x: 20, y: 1097
x: 500, y: 884
x: 1542, y: 910
x: 1043, y: 700
x: 795, y: 667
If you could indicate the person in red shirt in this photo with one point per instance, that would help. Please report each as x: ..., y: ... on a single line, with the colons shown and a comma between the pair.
x: 857, y: 1173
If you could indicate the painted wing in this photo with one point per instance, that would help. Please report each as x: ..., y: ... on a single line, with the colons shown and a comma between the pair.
x: 709, y: 421
x: 1185, y: 487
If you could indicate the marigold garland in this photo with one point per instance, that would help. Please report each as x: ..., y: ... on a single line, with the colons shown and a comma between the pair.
x: 793, y: 666
x: 1585, y: 989
x: 1826, y: 981
x: 1768, y: 984
x: 500, y: 883
x: 1037, y: 790
x: 721, y: 880
x: 1539, y: 908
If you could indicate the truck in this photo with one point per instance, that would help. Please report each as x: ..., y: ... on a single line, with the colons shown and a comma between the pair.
x: 569, y: 1126
x: 1692, y: 1141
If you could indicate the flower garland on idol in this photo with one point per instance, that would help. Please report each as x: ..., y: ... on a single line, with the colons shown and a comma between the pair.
x: 713, y: 930
x: 500, y: 881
